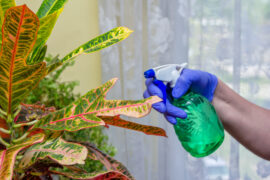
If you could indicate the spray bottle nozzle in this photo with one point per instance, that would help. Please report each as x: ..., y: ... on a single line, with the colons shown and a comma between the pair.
x: 168, y: 73
x: 165, y: 75
x: 149, y: 73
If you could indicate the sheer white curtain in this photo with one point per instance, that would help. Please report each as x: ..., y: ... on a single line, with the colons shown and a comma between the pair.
x: 229, y: 38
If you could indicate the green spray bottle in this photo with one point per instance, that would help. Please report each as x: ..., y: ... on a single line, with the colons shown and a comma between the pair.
x: 201, y: 133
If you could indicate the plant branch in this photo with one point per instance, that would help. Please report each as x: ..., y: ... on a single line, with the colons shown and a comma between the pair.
x: 2, y: 112
x: 25, y: 124
x: 5, y: 131
x: 21, y: 138
x: 2, y: 116
x: 2, y: 141
x: 9, y: 119
x: 17, y: 111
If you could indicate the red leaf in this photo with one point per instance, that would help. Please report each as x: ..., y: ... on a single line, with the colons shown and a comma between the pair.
x: 117, y: 121
x: 110, y: 163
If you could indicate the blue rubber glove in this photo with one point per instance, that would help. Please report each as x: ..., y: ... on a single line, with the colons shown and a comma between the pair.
x: 197, y: 81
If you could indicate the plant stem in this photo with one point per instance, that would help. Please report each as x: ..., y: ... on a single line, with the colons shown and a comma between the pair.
x: 2, y: 112
x: 2, y: 141
x: 11, y: 123
x: 25, y: 124
x: 5, y: 131
x: 17, y: 111
x: 20, y: 138
x: 9, y: 119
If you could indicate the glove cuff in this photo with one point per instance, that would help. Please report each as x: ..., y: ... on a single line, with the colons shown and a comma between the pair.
x: 213, y: 82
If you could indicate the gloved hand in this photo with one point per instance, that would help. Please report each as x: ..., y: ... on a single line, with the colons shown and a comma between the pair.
x: 197, y: 81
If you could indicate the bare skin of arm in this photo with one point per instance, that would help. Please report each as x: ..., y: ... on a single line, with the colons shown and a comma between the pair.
x: 246, y: 122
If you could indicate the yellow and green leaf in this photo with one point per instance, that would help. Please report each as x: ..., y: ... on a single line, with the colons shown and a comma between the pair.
x: 105, y: 40
x: 57, y: 149
x: 8, y: 156
x: 84, y: 112
x: 102, y: 175
x: 17, y: 78
x: 46, y: 26
x: 4, y: 6
x: 119, y: 122
x: 50, y: 6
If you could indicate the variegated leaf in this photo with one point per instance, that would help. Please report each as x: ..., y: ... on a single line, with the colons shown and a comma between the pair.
x: 103, y: 175
x: 50, y: 6
x: 65, y: 153
x: 46, y: 26
x: 119, y: 122
x: 17, y: 79
x: 110, y: 163
x: 107, y: 39
x: 8, y: 156
x: 4, y: 6
x: 83, y: 112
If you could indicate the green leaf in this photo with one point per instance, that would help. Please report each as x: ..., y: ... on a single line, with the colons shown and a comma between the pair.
x: 119, y: 122
x: 17, y: 79
x: 57, y: 149
x: 8, y: 156
x: 4, y: 6
x: 95, y: 175
x: 53, y: 67
x: 105, y: 40
x: 83, y: 112
x: 50, y: 6
x: 46, y: 26
x: 37, y: 55
x: 110, y: 163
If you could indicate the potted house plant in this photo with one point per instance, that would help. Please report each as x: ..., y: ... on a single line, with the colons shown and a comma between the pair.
x: 31, y: 140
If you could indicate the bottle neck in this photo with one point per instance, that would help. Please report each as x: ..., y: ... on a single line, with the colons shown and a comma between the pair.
x: 169, y: 94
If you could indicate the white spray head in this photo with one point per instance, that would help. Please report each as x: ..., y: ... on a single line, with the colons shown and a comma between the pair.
x: 169, y: 73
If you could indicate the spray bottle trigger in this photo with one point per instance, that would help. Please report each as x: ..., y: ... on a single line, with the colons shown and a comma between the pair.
x: 162, y: 87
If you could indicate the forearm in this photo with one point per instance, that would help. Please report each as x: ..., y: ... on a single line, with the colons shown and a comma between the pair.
x: 245, y: 121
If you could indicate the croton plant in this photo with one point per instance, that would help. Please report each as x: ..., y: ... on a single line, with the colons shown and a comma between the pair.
x: 31, y: 140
